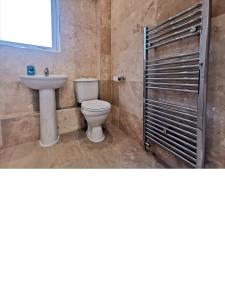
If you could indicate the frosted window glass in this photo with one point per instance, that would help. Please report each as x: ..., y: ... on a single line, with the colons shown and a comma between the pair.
x: 26, y: 22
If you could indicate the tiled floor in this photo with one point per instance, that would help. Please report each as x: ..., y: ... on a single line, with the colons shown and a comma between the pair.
x: 75, y: 151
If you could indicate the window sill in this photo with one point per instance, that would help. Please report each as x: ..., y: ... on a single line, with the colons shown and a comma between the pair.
x: 29, y: 47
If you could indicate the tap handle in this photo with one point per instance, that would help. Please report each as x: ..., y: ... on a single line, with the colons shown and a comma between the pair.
x: 46, y: 71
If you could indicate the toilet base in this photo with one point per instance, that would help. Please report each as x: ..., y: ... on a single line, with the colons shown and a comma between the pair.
x: 95, y: 134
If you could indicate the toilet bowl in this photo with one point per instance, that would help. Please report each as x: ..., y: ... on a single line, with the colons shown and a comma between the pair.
x: 95, y: 111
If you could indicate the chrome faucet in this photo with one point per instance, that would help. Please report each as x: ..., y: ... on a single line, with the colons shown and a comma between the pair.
x: 46, y: 72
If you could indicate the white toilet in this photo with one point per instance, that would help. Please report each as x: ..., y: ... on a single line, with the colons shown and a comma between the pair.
x: 95, y: 111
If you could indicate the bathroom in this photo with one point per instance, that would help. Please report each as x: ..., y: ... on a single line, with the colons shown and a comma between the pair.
x: 112, y: 141
x: 100, y: 41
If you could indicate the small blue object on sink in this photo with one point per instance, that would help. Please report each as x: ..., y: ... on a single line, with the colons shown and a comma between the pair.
x: 30, y: 70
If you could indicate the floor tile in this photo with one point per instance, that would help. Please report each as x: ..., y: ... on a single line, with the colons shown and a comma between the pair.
x: 75, y: 151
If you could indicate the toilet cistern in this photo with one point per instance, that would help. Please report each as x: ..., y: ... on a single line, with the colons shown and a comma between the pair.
x: 95, y: 111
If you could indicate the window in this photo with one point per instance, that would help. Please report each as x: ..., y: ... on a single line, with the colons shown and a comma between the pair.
x: 29, y: 23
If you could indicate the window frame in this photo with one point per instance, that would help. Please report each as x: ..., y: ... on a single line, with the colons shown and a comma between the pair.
x: 55, y: 33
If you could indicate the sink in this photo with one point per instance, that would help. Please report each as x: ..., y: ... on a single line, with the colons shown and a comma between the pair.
x: 42, y: 82
x: 48, y: 118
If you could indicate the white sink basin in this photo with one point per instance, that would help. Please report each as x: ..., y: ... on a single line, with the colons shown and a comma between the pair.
x: 39, y: 82
x: 48, y: 118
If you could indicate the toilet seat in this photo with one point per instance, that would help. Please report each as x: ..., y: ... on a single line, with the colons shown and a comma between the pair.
x: 96, y: 105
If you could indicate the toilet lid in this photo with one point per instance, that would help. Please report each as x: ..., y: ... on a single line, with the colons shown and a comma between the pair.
x: 96, y: 105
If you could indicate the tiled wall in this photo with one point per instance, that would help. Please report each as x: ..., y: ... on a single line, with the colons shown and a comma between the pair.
x: 128, y: 19
x: 19, y: 119
x: 105, y: 59
x: 104, y: 42
x: 102, y: 38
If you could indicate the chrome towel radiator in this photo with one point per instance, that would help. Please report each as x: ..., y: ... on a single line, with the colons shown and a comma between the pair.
x: 176, y: 125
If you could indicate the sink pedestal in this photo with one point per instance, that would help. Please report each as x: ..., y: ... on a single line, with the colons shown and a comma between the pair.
x: 48, y: 118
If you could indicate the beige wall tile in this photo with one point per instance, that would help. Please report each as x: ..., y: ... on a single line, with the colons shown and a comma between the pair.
x: 215, y: 138
x: 70, y: 120
x: 217, y: 64
x: 131, y: 95
x: 105, y: 40
x: 218, y: 8
x: 105, y: 67
x: 115, y: 93
x: 20, y: 130
x: 1, y: 142
x: 114, y: 116
x: 105, y: 90
x: 131, y: 125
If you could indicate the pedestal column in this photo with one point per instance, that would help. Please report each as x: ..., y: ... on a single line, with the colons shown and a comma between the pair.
x: 48, y: 118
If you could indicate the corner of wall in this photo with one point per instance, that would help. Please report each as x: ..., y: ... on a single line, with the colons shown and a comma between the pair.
x: 1, y: 142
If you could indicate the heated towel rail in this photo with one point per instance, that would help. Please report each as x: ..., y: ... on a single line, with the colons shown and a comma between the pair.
x: 178, y: 126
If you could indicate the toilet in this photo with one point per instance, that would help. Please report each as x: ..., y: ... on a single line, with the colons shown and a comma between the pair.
x: 94, y: 110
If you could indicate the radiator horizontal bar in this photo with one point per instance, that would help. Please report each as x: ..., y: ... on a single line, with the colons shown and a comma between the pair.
x: 172, y: 116
x: 173, y: 150
x: 173, y: 68
x: 148, y: 73
x: 173, y: 110
x: 176, y: 33
x: 172, y: 104
x: 174, y: 57
x: 194, y: 154
x: 174, y: 27
x: 176, y: 17
x: 174, y: 40
x: 173, y: 84
x: 173, y: 126
x: 168, y: 135
x: 176, y: 23
x: 171, y: 79
x: 172, y: 121
x: 174, y: 132
x: 173, y: 90
x: 173, y: 62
